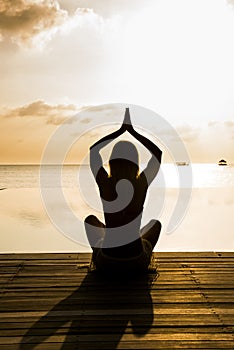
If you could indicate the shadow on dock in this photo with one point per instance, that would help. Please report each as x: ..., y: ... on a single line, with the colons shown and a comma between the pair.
x: 97, y: 314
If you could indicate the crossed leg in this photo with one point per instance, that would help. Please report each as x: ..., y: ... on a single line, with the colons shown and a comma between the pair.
x: 151, y: 232
x: 95, y: 230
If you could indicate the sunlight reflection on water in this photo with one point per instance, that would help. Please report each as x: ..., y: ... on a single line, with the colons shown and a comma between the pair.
x: 27, y: 176
x: 208, y: 224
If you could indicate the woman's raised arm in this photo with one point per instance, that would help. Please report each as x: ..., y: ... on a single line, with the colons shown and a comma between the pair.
x: 153, y: 165
x: 96, y: 163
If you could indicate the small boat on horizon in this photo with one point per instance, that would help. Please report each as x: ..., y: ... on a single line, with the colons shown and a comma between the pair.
x: 222, y: 162
x: 182, y: 163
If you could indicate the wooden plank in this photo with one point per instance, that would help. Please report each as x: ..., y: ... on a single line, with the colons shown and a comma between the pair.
x: 50, y: 300
x: 137, y: 345
x: 109, y: 337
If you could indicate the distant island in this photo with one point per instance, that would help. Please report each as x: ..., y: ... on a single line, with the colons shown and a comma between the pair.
x: 222, y: 162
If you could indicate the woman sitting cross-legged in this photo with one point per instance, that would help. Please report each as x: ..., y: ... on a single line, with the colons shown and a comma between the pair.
x: 120, y: 244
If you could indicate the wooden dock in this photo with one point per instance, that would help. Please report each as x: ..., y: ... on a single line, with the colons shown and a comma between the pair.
x: 52, y: 301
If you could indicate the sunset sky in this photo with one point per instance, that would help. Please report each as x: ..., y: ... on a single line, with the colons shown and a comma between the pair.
x: 174, y: 57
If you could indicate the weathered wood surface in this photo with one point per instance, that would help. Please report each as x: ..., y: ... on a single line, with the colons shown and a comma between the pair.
x: 52, y: 301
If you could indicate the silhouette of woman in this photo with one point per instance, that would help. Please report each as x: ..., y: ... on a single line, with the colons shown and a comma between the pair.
x: 120, y: 244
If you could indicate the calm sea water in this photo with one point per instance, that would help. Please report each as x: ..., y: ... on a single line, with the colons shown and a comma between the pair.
x: 25, y: 226
x: 28, y: 176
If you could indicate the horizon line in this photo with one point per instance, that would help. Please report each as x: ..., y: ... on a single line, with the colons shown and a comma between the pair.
x: 39, y: 164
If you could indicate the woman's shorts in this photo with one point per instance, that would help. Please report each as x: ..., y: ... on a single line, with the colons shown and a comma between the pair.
x: 140, y: 262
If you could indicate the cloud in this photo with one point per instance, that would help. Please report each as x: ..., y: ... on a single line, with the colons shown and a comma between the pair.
x: 25, y: 130
x: 212, y: 123
x: 53, y: 114
x: 34, y: 23
x: 225, y: 127
x: 23, y: 19
x: 230, y: 126
x: 105, y: 8
x: 60, y: 113
x: 85, y: 120
x: 106, y: 109
x: 229, y: 123
x: 188, y: 133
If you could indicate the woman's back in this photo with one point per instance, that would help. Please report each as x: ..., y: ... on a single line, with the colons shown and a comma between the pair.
x: 123, y: 202
x: 123, y: 194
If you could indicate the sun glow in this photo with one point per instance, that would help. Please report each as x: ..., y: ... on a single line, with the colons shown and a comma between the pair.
x: 182, y: 54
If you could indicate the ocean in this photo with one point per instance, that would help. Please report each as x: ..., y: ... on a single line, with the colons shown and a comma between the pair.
x: 33, y: 217
x: 28, y: 176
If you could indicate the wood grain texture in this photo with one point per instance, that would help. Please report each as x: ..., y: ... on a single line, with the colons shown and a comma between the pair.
x: 52, y: 301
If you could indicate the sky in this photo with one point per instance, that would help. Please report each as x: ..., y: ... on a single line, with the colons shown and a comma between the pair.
x: 174, y: 57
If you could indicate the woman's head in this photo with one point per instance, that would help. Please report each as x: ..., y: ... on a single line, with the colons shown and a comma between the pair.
x: 124, y: 161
